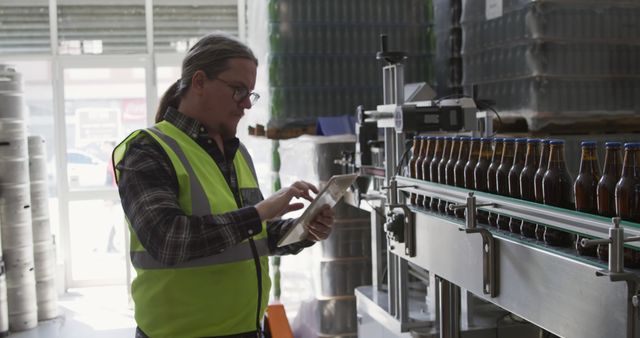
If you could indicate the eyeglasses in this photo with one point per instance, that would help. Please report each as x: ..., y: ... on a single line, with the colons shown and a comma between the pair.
x: 241, y: 92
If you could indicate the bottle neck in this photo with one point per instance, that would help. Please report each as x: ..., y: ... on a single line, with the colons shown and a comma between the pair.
x: 507, y: 154
x: 453, y: 151
x: 475, y: 151
x: 416, y: 148
x: 485, y: 150
x: 556, y: 157
x: 438, y: 149
x: 430, y: 148
x: 612, y: 163
x: 446, y: 149
x: 631, y: 166
x: 497, y: 152
x: 463, y: 153
x: 532, y: 155
x: 519, y: 153
x: 544, y: 157
x: 588, y: 161
x: 423, y: 148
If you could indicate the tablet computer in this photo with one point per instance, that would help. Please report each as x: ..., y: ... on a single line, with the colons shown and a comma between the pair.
x: 330, y: 194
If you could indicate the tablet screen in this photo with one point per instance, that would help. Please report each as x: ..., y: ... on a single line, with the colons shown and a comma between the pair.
x: 330, y: 194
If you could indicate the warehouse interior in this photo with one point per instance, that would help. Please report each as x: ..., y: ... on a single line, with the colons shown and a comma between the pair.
x: 481, y: 158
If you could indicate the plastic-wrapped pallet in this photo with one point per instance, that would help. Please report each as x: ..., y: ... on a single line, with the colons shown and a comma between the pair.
x: 448, y: 44
x: 322, y: 53
x: 343, y: 260
x: 554, y: 62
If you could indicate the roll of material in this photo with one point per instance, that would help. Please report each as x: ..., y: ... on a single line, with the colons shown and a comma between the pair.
x: 47, y: 299
x: 45, y: 260
x: 14, y: 164
x: 4, y: 308
x: 10, y: 79
x: 349, y: 238
x: 13, y: 134
x: 41, y: 229
x: 16, y: 237
x: 23, y: 307
x: 339, y: 277
x: 19, y: 264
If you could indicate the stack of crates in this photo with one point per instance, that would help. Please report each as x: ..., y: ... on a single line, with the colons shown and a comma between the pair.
x: 554, y: 61
x: 322, y: 59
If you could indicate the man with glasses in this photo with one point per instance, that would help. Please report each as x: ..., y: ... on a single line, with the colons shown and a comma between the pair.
x: 201, y: 233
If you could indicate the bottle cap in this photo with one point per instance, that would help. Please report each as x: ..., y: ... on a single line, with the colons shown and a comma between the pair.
x: 499, y: 139
x: 464, y: 138
x: 521, y: 140
x: 613, y: 145
x: 485, y: 139
x: 588, y: 144
x: 475, y: 139
x: 632, y: 145
x: 509, y: 139
x: 533, y: 140
x: 556, y: 142
x: 546, y: 141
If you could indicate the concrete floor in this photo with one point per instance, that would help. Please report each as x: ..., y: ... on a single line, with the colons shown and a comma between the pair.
x: 101, y: 312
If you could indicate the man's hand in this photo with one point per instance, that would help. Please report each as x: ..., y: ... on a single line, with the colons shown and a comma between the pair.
x: 321, y: 225
x: 279, y: 204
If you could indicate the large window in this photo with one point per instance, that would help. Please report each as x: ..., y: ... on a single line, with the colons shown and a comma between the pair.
x: 93, y: 71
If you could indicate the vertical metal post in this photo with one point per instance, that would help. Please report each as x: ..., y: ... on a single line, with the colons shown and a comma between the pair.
x: 377, y: 247
x: 392, y: 283
x: 403, y: 292
x: 449, y: 309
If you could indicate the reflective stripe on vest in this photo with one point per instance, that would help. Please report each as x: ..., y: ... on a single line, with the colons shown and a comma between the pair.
x: 240, y: 252
x: 200, y: 207
x: 200, y: 203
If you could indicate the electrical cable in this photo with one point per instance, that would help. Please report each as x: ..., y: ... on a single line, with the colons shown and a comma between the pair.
x: 399, y: 165
x: 256, y: 260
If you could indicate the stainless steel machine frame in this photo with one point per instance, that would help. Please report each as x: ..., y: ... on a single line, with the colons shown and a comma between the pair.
x: 554, y: 289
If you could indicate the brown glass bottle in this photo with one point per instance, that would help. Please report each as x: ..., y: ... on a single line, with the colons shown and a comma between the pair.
x: 426, y: 167
x: 584, y: 189
x: 421, y: 157
x: 491, y: 176
x: 514, y: 179
x: 447, y: 169
x: 472, y: 162
x: 412, y: 165
x: 480, y: 174
x: 502, y: 177
x: 605, y: 191
x: 531, y: 165
x: 557, y: 191
x: 627, y: 195
x: 433, y: 169
x: 458, y: 168
x: 537, y: 182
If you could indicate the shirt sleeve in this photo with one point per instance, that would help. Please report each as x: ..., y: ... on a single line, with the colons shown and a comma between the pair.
x: 276, y: 230
x: 149, y: 194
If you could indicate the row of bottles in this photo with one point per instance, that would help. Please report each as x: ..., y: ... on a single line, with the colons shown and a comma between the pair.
x: 533, y: 170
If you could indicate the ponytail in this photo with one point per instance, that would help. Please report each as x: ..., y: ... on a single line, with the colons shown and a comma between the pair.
x: 171, y: 98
